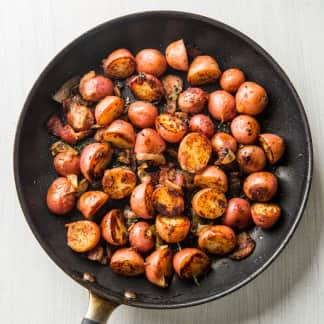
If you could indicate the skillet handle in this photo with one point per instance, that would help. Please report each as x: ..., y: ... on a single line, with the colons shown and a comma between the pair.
x: 99, y: 310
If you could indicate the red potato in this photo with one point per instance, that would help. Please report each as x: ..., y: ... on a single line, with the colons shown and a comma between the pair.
x: 251, y: 98
x: 67, y: 163
x: 90, y: 202
x: 203, y: 124
x: 231, y: 80
x: 94, y: 160
x: 273, y: 146
x: 192, y: 100
x: 209, y: 203
x: 172, y: 229
x: 61, y: 196
x: 245, y: 129
x: 217, y: 239
x: 82, y: 236
x: 79, y: 117
x: 120, y: 134
x: 149, y: 141
x: 176, y: 55
x: 127, y: 262
x: 238, y: 214
x: 108, y: 109
x: 221, y: 105
x: 146, y: 87
x: 95, y: 87
x: 142, y: 114
x: 222, y: 143
x: 170, y: 128
x: 265, y: 215
x: 251, y: 158
x: 191, y: 263
x: 245, y: 245
x: 141, y: 237
x: 212, y: 177
x: 141, y: 200
x: 119, y: 64
x: 151, y: 61
x: 172, y: 85
x: 158, y: 266
x: 113, y: 228
x: 194, y: 152
x: 260, y: 186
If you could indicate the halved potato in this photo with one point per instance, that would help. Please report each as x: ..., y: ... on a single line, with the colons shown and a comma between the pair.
x: 90, y: 202
x: 149, y: 141
x: 176, y: 55
x: 141, y: 200
x: 212, y: 177
x: 108, y: 109
x: 173, y: 86
x: 127, y: 262
x: 171, y: 128
x: 118, y: 183
x: 120, y: 134
x: 194, y: 152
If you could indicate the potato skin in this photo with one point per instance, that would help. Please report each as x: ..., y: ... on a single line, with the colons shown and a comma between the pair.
x: 273, y: 146
x: 90, y: 202
x: 212, y: 177
x: 82, y: 236
x: 251, y: 98
x: 118, y: 183
x: 151, y: 61
x: 170, y: 128
x: 221, y: 105
x: 265, y: 215
x: 203, y: 69
x: 79, y: 117
x: 142, y: 114
x: 260, y: 186
x: 67, y: 163
x: 222, y: 142
x: 202, y: 123
x: 141, y: 237
x: 149, y: 141
x: 119, y: 64
x: 238, y: 214
x: 120, y: 134
x: 217, y: 239
x: 176, y: 55
x: 245, y: 129
x: 209, y: 203
x: 192, y: 100
x: 251, y: 158
x: 127, y: 262
x: 194, y: 152
x: 108, y: 109
x: 231, y: 80
x: 141, y: 200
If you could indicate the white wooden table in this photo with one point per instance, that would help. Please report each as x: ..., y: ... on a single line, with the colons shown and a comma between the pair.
x: 33, y: 290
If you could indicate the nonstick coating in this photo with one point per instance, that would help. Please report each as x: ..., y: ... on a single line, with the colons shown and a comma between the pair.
x: 284, y: 115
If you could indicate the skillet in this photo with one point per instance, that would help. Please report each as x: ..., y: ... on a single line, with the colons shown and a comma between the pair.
x: 284, y: 115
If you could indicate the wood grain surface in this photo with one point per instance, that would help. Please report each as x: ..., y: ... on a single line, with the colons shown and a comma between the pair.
x: 33, y: 290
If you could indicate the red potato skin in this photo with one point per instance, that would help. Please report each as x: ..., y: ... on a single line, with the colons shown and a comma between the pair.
x: 141, y: 201
x: 273, y: 146
x: 141, y: 238
x: 151, y: 61
x: 60, y: 196
x: 111, y: 105
x: 142, y: 114
x: 265, y: 215
x: 192, y: 100
x: 170, y: 135
x: 221, y: 105
x: 176, y: 55
x: 124, y: 128
x: 245, y: 129
x: 223, y: 141
x: 251, y: 158
x: 67, y: 163
x: 231, y: 80
x: 90, y: 202
x: 149, y: 141
x: 202, y: 123
x: 238, y: 214
x: 212, y: 177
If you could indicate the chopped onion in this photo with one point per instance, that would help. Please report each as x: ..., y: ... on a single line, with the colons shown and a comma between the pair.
x: 65, y: 90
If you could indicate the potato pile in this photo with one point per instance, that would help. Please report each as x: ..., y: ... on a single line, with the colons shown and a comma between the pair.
x: 188, y: 167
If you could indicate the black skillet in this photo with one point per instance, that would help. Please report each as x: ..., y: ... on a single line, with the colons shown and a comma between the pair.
x: 284, y: 115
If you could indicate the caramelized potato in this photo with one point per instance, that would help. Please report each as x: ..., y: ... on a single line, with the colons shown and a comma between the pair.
x: 90, y: 202
x: 67, y: 163
x: 82, y: 236
x: 191, y: 263
x: 244, y: 247
x: 158, y: 266
x: 238, y: 214
x: 273, y: 146
x: 108, y: 109
x: 217, y: 239
x: 113, y: 228
x: 172, y: 85
x: 203, y: 124
x: 120, y: 134
x: 94, y: 160
x: 209, y: 203
x: 141, y: 237
x: 79, y: 117
x: 221, y: 105
x: 212, y: 177
x: 265, y: 215
x: 168, y: 201
x: 192, y: 100
x: 231, y: 80
x: 251, y: 158
x: 170, y: 128
x: 146, y: 87
x: 151, y: 61
x: 119, y: 64
x: 203, y: 69
x: 222, y: 143
x: 141, y: 200
x: 142, y: 114
x: 176, y: 55
x: 127, y: 262
x: 149, y: 141
x: 194, y: 152
x: 245, y: 129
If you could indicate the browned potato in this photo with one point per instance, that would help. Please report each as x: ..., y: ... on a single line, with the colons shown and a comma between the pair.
x: 120, y: 134
x: 192, y: 100
x: 82, y: 236
x: 141, y: 200
x: 212, y: 177
x: 172, y: 229
x: 118, y: 183
x: 244, y: 247
x: 238, y: 214
x: 203, y: 69
x: 120, y: 64
x: 141, y: 237
x: 108, y: 109
x: 251, y: 158
x: 273, y: 146
x: 127, y: 262
x: 90, y: 202
x: 67, y: 163
x: 265, y: 215
x: 221, y: 105
x: 168, y: 201
x: 149, y: 141
x: 173, y: 86
x: 94, y: 160
x: 176, y: 55
x: 217, y: 239
x: 146, y: 87
x: 194, y: 152
x: 142, y: 114
x: 231, y: 80
x: 151, y: 61
x: 170, y: 128
x: 209, y: 203
x: 113, y: 228
x: 79, y: 117
x: 245, y: 129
